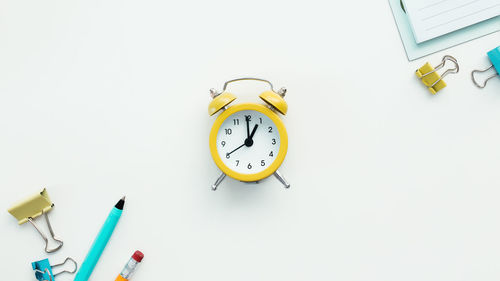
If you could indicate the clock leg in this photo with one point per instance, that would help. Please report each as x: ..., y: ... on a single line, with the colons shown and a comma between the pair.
x: 280, y: 177
x: 218, y: 181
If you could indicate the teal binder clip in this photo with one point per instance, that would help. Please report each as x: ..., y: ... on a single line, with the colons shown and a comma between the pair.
x: 494, y: 56
x: 43, y: 269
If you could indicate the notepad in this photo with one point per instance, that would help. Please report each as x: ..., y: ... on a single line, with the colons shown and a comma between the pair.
x: 433, y: 18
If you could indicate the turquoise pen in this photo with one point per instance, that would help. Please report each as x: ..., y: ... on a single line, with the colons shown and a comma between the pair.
x: 100, y: 242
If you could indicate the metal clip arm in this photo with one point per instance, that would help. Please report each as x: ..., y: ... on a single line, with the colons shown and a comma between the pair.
x: 66, y: 271
x: 485, y: 81
x: 60, y: 242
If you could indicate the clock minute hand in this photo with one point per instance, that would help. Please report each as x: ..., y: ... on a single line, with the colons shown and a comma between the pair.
x: 247, y: 119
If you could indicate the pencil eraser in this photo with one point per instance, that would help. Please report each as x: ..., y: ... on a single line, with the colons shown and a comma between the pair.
x: 138, y: 256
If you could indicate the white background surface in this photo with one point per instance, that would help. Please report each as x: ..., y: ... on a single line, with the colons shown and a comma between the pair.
x: 100, y: 99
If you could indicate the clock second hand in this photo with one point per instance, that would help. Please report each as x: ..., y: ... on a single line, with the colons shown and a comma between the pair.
x: 229, y: 153
x: 248, y: 141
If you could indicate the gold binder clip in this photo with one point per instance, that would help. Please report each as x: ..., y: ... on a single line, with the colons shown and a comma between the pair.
x: 431, y: 78
x: 33, y: 207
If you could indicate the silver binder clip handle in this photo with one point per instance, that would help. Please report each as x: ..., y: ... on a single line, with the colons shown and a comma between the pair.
x: 46, y: 271
x: 75, y: 266
x: 60, y: 242
x: 472, y: 74
x: 441, y: 65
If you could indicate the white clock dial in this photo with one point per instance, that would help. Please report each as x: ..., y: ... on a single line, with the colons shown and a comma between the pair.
x: 248, y: 142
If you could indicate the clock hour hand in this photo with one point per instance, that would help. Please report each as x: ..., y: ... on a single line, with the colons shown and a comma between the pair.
x: 229, y: 153
x: 249, y: 140
x: 253, y: 131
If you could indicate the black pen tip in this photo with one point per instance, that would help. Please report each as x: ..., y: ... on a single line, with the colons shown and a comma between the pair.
x: 120, y: 203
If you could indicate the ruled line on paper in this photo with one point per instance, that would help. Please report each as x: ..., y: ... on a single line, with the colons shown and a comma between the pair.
x: 468, y: 15
x: 450, y: 10
x: 432, y: 5
x: 433, y: 18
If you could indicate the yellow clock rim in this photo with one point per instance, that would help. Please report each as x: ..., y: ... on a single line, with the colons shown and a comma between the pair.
x: 279, y: 158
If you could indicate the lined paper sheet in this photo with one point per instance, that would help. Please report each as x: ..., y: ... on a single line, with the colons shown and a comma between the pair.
x: 432, y: 18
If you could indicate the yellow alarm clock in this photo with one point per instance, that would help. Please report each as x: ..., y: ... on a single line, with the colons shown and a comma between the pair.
x: 248, y: 141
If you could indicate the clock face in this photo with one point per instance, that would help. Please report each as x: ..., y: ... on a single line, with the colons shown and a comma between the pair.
x: 248, y: 142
